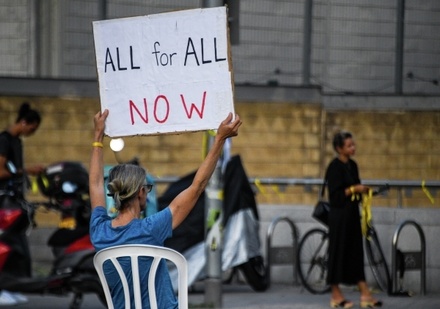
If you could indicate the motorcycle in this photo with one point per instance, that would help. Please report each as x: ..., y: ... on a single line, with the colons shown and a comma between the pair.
x: 65, y: 184
x: 240, y: 227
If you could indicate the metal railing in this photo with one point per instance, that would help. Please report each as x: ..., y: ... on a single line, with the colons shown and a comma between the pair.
x: 402, y: 187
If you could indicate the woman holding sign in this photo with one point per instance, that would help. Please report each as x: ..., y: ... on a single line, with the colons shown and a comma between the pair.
x: 129, y: 190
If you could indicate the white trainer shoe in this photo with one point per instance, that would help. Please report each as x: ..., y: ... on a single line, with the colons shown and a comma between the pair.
x: 20, y: 298
x: 6, y: 299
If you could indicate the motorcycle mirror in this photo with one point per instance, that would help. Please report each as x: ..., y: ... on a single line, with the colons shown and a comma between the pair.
x: 11, y: 167
x: 117, y: 144
x: 69, y: 187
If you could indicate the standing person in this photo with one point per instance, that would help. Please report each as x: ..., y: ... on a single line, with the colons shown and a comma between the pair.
x: 129, y: 189
x: 346, y: 255
x: 11, y: 151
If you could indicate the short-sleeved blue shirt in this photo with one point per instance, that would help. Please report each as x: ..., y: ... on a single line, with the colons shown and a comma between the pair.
x: 152, y: 230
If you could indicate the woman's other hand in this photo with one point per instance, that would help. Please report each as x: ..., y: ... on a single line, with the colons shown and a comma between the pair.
x: 228, y: 128
x: 99, y: 121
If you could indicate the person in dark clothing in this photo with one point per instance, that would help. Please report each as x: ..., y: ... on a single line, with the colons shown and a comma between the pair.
x: 11, y: 149
x: 15, y: 180
x: 346, y: 255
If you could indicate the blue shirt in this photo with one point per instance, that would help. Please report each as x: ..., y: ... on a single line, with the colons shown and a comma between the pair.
x: 152, y: 230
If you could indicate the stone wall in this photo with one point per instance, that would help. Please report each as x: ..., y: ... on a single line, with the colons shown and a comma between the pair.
x: 288, y: 140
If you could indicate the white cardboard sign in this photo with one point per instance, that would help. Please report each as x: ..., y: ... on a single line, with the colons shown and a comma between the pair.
x: 164, y: 73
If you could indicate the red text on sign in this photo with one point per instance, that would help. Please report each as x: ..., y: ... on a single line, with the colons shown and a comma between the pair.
x: 161, y: 103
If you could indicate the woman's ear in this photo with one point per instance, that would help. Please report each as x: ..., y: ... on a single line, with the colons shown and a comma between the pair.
x: 141, y: 192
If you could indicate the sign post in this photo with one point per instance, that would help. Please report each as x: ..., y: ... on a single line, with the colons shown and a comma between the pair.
x: 213, y: 224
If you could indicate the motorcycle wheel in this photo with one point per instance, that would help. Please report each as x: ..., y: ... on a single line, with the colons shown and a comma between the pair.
x: 255, y: 273
x: 101, y: 297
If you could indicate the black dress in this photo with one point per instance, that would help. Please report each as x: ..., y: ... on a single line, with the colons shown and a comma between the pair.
x: 346, y: 254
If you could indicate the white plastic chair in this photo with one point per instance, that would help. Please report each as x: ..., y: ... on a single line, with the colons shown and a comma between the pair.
x: 135, y: 251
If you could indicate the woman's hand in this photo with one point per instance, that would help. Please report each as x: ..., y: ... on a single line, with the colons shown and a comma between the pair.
x: 361, y: 188
x: 35, y: 169
x: 99, y: 121
x: 227, y: 128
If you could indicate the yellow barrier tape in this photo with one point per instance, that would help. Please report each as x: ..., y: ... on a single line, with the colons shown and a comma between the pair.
x: 366, y: 211
x: 67, y: 223
x: 205, y: 140
x: 34, y: 185
x: 213, y: 215
x: 213, y: 244
x: 204, y: 145
x: 427, y: 193
x: 276, y: 189
x: 355, y: 197
x: 259, y: 186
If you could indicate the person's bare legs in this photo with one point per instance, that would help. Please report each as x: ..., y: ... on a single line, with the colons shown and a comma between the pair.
x: 337, y: 298
x: 367, y: 300
x: 364, y: 290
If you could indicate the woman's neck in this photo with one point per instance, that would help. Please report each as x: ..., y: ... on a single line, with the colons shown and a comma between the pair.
x: 125, y: 217
x: 343, y: 158
x: 14, y: 130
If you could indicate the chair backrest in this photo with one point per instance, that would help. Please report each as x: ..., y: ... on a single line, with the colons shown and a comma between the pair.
x: 134, y: 252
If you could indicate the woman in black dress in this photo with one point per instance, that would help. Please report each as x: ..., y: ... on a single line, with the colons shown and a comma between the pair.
x: 346, y: 255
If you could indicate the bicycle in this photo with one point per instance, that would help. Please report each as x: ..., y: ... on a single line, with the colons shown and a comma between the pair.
x: 312, y: 256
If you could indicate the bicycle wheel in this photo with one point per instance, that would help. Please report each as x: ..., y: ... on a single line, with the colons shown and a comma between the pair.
x: 311, y: 261
x: 377, y: 260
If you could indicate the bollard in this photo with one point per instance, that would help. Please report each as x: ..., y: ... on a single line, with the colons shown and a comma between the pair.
x: 283, y: 254
x: 413, y: 260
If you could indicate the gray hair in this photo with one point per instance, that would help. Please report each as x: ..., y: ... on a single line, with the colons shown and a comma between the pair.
x: 124, y: 182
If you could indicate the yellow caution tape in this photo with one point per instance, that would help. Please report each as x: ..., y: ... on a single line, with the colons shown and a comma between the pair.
x: 426, y: 191
x: 67, y: 223
x: 34, y: 185
x: 259, y: 186
x: 277, y: 190
x: 205, y: 140
x: 213, y: 215
x: 366, y: 212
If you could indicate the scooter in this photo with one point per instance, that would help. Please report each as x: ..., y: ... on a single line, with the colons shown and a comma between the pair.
x: 72, y: 271
x: 240, y: 228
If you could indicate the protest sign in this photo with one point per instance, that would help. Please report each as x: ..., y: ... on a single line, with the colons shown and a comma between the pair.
x: 164, y: 73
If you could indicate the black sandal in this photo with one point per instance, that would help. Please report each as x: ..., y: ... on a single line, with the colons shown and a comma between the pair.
x: 371, y: 303
x: 342, y: 304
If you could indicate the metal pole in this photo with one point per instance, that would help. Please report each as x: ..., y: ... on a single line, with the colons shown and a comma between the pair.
x: 102, y: 9
x: 213, y: 236
x: 307, y: 41
x: 212, y: 3
x: 400, y: 21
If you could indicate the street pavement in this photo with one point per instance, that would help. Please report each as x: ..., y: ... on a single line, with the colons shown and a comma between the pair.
x: 241, y: 296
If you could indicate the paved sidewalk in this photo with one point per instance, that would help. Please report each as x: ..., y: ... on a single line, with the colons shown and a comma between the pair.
x: 294, y: 297
x: 241, y: 296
